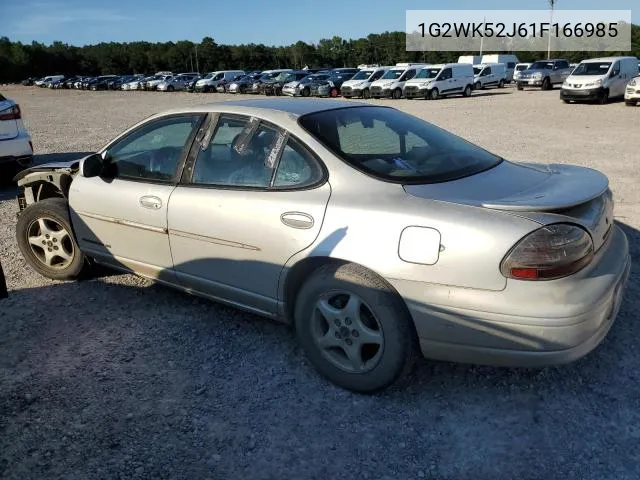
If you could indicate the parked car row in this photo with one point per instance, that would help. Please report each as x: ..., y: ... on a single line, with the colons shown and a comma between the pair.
x: 598, y: 79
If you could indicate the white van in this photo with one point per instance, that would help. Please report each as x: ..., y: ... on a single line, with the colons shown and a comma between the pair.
x: 472, y: 59
x: 489, y: 75
x: 392, y: 82
x: 212, y: 79
x: 509, y: 60
x: 48, y: 79
x: 520, y: 67
x: 435, y: 81
x: 599, y: 79
x: 360, y: 83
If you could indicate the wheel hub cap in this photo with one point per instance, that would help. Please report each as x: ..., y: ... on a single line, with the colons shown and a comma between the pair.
x: 50, y: 243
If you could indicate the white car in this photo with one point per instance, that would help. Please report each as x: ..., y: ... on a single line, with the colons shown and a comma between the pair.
x: 16, y: 149
x: 632, y: 92
x: 489, y: 75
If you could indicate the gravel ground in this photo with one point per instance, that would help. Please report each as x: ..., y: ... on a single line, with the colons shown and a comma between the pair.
x: 118, y: 377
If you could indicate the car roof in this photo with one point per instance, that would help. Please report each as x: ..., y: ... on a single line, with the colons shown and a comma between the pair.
x: 293, y: 106
x: 607, y: 59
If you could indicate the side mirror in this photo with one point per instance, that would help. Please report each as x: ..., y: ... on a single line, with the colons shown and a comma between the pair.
x: 91, y: 165
x: 613, y: 74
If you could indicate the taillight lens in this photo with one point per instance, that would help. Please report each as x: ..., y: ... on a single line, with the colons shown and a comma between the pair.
x: 11, y: 113
x: 553, y: 251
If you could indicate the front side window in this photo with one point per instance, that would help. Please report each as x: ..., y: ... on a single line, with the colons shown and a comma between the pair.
x: 487, y: 71
x: 153, y: 151
x: 446, y: 74
x: 395, y: 146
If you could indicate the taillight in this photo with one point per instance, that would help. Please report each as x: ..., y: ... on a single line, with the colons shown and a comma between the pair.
x: 11, y: 113
x: 553, y: 251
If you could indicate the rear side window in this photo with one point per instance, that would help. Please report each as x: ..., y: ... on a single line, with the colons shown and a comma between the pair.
x: 446, y: 74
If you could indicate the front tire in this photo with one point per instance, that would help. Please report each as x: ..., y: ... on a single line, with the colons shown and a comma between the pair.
x: 397, y: 94
x: 434, y: 94
x: 604, y: 98
x: 366, y: 94
x: 501, y: 84
x: 46, y: 240
x: 546, y: 84
x: 354, y: 328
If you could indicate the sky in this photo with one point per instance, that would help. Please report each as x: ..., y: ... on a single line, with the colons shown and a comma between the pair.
x: 272, y: 22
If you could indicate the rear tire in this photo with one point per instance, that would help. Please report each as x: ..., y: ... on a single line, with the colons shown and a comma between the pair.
x: 467, y: 91
x: 501, y: 84
x: 305, y: 92
x: 477, y: 86
x: 354, y: 328
x: 46, y: 240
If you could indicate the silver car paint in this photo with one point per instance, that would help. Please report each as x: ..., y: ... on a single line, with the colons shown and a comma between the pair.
x: 462, y: 306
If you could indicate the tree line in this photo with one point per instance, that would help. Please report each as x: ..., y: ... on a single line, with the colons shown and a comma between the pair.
x: 19, y: 61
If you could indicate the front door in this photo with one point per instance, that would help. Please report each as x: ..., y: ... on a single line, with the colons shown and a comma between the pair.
x: 120, y: 217
x: 256, y: 197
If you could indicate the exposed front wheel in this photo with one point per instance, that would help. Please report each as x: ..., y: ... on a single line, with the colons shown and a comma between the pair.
x: 305, y: 92
x: 354, y: 328
x: 604, y: 97
x: 366, y: 93
x: 546, y: 84
x: 46, y: 240
x: 434, y: 94
x: 397, y: 94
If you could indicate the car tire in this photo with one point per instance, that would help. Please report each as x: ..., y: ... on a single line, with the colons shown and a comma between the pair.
x: 397, y: 94
x: 630, y: 103
x: 47, y: 223
x: 366, y: 94
x: 332, y: 335
x: 477, y: 86
x: 518, y: 86
x: 546, y: 84
x: 333, y: 93
x: 305, y: 92
x: 434, y: 94
x: 467, y: 91
x: 501, y: 84
x: 604, y: 98
x: 170, y: 88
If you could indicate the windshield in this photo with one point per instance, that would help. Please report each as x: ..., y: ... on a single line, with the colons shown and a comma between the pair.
x: 592, y: 68
x: 477, y: 70
x: 362, y: 75
x: 520, y: 68
x: 208, y: 76
x: 391, y: 74
x: 428, y: 73
x: 395, y: 146
x: 541, y: 66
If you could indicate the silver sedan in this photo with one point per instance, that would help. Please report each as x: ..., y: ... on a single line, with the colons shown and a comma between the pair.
x: 376, y: 234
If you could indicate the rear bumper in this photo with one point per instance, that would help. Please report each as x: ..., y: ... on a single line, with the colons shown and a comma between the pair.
x: 17, y: 149
x: 527, y: 324
x: 586, y: 94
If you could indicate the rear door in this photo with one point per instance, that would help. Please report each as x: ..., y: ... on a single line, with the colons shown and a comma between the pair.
x: 251, y: 197
x: 9, y: 113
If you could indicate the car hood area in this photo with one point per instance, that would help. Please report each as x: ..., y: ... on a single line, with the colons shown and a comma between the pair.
x: 524, y: 187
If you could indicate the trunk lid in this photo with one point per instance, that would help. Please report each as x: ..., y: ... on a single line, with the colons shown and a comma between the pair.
x: 541, y: 193
x: 8, y: 128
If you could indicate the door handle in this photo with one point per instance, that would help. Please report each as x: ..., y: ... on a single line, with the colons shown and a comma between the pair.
x: 297, y: 220
x: 151, y: 201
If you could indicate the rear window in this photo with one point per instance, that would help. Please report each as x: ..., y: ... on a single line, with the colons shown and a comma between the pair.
x: 394, y: 146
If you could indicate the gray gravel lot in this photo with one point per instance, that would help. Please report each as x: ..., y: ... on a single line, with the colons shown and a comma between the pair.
x: 117, y: 377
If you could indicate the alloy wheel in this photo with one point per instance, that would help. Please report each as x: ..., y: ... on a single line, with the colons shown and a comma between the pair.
x: 50, y: 243
x: 347, y: 332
